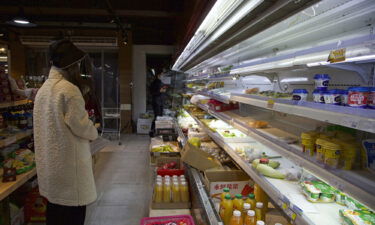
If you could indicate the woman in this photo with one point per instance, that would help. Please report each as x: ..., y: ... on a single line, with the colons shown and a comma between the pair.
x: 62, y: 131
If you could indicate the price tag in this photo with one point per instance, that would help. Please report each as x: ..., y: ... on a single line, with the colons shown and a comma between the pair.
x: 270, y: 103
x: 294, y: 216
x: 284, y: 206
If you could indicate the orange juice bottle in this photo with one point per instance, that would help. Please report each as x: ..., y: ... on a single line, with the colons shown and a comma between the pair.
x: 158, y: 192
x: 238, y: 203
x: 259, y: 211
x: 184, y: 191
x: 250, y: 218
x: 226, y: 209
x: 261, y: 196
x: 225, y: 192
x: 176, y: 192
x: 260, y: 222
x: 251, y: 200
x: 167, y: 192
x: 245, y: 208
x: 236, y: 218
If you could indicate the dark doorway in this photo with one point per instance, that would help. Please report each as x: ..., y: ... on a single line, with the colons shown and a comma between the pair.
x: 155, y: 62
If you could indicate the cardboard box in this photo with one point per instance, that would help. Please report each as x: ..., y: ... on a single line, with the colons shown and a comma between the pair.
x: 169, y: 205
x: 170, y: 172
x: 144, y: 126
x: 236, y: 180
x: 155, y: 155
x: 197, y: 158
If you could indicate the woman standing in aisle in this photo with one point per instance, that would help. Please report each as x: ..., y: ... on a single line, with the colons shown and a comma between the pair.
x: 62, y: 131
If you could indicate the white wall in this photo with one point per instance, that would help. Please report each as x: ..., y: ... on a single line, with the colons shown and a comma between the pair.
x: 139, y: 74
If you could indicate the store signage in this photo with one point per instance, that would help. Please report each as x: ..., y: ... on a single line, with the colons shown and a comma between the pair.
x: 337, y: 55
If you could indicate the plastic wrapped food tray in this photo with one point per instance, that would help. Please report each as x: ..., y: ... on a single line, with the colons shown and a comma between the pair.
x: 164, y: 220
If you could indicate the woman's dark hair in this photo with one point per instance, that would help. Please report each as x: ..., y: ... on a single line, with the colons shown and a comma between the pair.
x: 63, y: 53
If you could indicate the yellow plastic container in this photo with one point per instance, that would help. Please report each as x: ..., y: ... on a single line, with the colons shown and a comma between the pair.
x: 332, y: 153
x: 308, y: 140
x: 184, y: 191
x: 158, y: 197
x: 167, y: 192
x: 176, y: 196
x: 261, y: 196
x: 319, y: 149
x: 238, y: 203
x: 349, y: 155
x: 226, y: 209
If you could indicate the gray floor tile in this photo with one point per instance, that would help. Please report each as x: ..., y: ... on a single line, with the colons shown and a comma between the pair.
x: 123, y: 180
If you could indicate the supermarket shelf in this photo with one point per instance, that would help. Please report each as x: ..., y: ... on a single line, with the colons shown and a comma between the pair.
x: 217, y: 97
x: 15, y: 103
x: 16, y: 137
x: 197, y: 187
x: 361, y: 119
x: 7, y: 188
x: 358, y: 184
x: 285, y: 194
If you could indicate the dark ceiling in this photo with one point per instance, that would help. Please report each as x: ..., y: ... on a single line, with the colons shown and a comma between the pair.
x: 166, y: 22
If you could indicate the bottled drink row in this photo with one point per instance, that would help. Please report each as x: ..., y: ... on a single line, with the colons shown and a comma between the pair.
x: 169, y: 189
x: 20, y: 117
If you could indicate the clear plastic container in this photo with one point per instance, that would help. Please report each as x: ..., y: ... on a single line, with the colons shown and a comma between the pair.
x: 318, y: 96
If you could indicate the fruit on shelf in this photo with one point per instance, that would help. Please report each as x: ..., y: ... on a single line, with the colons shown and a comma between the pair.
x: 272, y: 163
x: 162, y: 148
x: 269, y: 171
x: 258, y: 124
x: 195, y: 142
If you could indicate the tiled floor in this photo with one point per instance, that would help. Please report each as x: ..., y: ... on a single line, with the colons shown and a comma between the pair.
x: 123, y: 180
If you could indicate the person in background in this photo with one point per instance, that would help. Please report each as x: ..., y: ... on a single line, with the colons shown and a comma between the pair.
x: 62, y: 131
x: 157, y: 89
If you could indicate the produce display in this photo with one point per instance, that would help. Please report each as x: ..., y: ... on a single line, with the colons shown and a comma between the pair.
x: 268, y: 168
x: 215, y: 151
x: 231, y: 133
x: 162, y: 148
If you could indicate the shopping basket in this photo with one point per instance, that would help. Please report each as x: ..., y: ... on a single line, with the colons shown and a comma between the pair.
x: 166, y: 220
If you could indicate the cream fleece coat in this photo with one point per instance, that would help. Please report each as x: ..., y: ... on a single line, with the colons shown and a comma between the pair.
x: 62, y: 131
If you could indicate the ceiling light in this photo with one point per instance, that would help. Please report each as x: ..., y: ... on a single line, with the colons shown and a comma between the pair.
x: 21, y: 21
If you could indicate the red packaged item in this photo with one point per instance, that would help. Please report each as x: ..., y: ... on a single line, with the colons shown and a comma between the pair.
x: 168, y: 220
x: 35, y: 207
x: 357, y: 97
x: 221, y: 107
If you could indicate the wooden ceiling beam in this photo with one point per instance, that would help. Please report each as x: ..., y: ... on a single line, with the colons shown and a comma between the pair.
x: 42, y: 11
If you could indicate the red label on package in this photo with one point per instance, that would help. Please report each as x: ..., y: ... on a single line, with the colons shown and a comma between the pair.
x: 357, y: 99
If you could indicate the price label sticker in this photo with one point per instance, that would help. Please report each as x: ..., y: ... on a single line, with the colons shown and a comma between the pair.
x: 284, y: 206
x: 270, y: 103
x: 294, y: 216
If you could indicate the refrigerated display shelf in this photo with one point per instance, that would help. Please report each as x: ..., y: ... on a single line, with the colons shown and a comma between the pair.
x: 14, y: 138
x: 217, y: 97
x: 358, y: 184
x: 357, y: 118
x: 9, y: 187
x: 286, y: 194
x: 15, y: 103
x: 197, y: 185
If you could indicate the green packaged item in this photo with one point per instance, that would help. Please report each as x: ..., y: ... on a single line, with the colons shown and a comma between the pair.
x: 354, y: 204
x: 318, y: 191
x: 340, y: 198
x: 357, y: 217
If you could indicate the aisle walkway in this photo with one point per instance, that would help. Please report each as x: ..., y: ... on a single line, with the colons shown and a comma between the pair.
x: 123, y: 179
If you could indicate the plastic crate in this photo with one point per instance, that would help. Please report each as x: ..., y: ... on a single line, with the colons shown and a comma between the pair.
x: 188, y: 220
